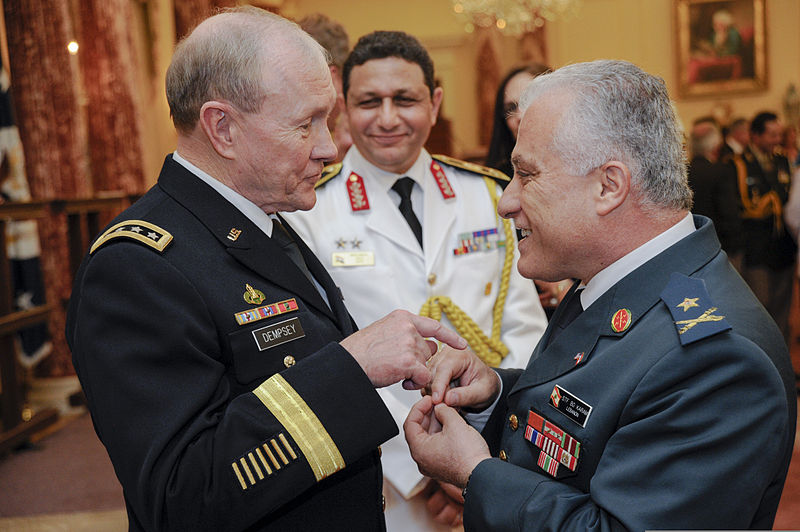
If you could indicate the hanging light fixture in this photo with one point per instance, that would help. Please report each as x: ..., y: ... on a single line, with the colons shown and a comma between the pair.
x: 513, y: 17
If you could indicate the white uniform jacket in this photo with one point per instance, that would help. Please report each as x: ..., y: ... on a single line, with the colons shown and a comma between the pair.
x: 389, y: 269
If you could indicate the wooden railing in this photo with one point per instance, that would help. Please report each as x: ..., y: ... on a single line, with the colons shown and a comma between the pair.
x: 85, y: 218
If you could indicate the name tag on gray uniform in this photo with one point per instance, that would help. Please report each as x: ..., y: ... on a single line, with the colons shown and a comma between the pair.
x: 278, y: 333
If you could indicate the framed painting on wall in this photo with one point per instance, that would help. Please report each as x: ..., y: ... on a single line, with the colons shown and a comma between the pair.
x: 721, y: 46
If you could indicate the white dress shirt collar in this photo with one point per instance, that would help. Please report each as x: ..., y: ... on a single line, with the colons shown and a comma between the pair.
x: 356, y: 161
x: 247, y: 207
x: 614, y: 273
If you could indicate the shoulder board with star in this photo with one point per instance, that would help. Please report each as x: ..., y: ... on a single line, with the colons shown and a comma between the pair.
x: 695, y: 316
x: 146, y: 233
x: 328, y: 173
x: 497, y: 175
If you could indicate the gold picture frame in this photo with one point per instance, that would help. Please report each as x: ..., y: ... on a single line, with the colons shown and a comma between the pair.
x: 722, y: 47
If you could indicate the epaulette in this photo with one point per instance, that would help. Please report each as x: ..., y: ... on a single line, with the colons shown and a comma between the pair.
x: 474, y: 168
x: 695, y: 316
x: 328, y: 173
x: 148, y: 234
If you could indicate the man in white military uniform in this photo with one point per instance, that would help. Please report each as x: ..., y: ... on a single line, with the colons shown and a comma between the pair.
x: 434, y: 245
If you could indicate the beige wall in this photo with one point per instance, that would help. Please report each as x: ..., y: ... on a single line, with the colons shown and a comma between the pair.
x: 644, y: 32
x: 641, y: 31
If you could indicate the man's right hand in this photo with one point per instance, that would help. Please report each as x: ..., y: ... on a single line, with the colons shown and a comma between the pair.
x: 395, y: 348
x: 461, y: 380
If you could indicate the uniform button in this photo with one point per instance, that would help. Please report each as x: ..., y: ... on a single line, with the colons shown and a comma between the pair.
x: 383, y: 503
x: 432, y: 279
x: 288, y: 361
x: 513, y: 422
x: 503, y: 456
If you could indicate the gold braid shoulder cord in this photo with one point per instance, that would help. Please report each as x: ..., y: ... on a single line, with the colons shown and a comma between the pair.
x: 768, y: 204
x: 491, y: 350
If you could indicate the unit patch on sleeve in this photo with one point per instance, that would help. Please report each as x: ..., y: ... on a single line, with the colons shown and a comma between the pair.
x: 693, y: 312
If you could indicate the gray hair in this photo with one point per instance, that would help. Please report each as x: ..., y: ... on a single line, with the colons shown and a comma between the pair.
x: 619, y: 112
x: 224, y: 57
x: 704, y: 137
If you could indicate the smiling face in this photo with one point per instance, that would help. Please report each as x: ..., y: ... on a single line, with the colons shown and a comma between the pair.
x: 390, y: 111
x: 552, y: 208
x: 282, y: 149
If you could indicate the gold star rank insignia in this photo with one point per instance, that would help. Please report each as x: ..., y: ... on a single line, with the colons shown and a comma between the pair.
x: 688, y: 303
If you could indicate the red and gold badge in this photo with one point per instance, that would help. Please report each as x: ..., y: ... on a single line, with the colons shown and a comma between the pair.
x: 621, y: 320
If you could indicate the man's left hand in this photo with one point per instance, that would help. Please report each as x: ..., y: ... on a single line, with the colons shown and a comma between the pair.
x: 445, y: 503
x: 448, y: 452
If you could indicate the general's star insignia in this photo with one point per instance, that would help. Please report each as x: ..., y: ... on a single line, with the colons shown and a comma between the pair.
x: 341, y: 243
x: 356, y: 243
x: 688, y: 303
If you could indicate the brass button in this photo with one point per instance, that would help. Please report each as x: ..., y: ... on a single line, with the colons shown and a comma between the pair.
x: 513, y: 422
x: 503, y: 456
x: 288, y: 361
x: 432, y: 279
x: 383, y: 503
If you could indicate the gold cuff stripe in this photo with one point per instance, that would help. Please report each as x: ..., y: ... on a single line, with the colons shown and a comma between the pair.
x: 247, y: 470
x: 239, y: 475
x: 271, y: 457
x: 304, y: 426
x: 288, y: 447
x: 255, y: 466
x: 263, y: 461
x: 278, y: 450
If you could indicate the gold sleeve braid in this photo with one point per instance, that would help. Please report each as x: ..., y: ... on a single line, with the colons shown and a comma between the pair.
x: 489, y: 349
x: 760, y: 207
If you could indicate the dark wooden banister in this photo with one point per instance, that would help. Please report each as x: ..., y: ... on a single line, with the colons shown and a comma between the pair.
x: 83, y: 224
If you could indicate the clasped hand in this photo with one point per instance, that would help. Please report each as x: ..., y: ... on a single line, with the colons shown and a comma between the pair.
x: 444, y: 446
x: 396, y: 348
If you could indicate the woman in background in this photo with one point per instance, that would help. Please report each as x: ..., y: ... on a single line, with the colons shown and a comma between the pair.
x: 504, y: 136
x: 506, y: 118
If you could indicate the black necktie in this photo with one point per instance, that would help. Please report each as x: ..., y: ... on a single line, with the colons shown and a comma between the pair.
x: 572, y: 310
x: 403, y: 187
x: 281, y: 236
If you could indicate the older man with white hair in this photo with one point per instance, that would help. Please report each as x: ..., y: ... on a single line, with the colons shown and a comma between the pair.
x: 661, y: 395
x: 220, y: 364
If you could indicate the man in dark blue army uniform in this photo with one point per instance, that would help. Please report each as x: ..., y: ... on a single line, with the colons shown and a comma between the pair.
x: 220, y: 365
x: 661, y: 395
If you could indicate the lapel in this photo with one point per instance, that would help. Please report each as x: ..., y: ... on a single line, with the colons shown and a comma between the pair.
x: 440, y: 215
x: 637, y: 292
x: 384, y: 218
x: 323, y: 277
x: 252, y: 247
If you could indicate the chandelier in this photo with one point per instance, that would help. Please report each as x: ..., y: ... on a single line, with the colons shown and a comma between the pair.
x: 513, y: 17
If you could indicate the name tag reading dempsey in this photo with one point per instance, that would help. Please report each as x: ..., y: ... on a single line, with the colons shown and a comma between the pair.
x: 352, y: 258
x: 278, y: 333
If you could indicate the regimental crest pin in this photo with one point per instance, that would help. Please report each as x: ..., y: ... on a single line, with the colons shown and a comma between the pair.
x: 621, y: 320
x: 253, y: 296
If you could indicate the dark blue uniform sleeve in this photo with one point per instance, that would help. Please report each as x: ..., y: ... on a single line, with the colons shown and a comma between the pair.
x: 192, y: 448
